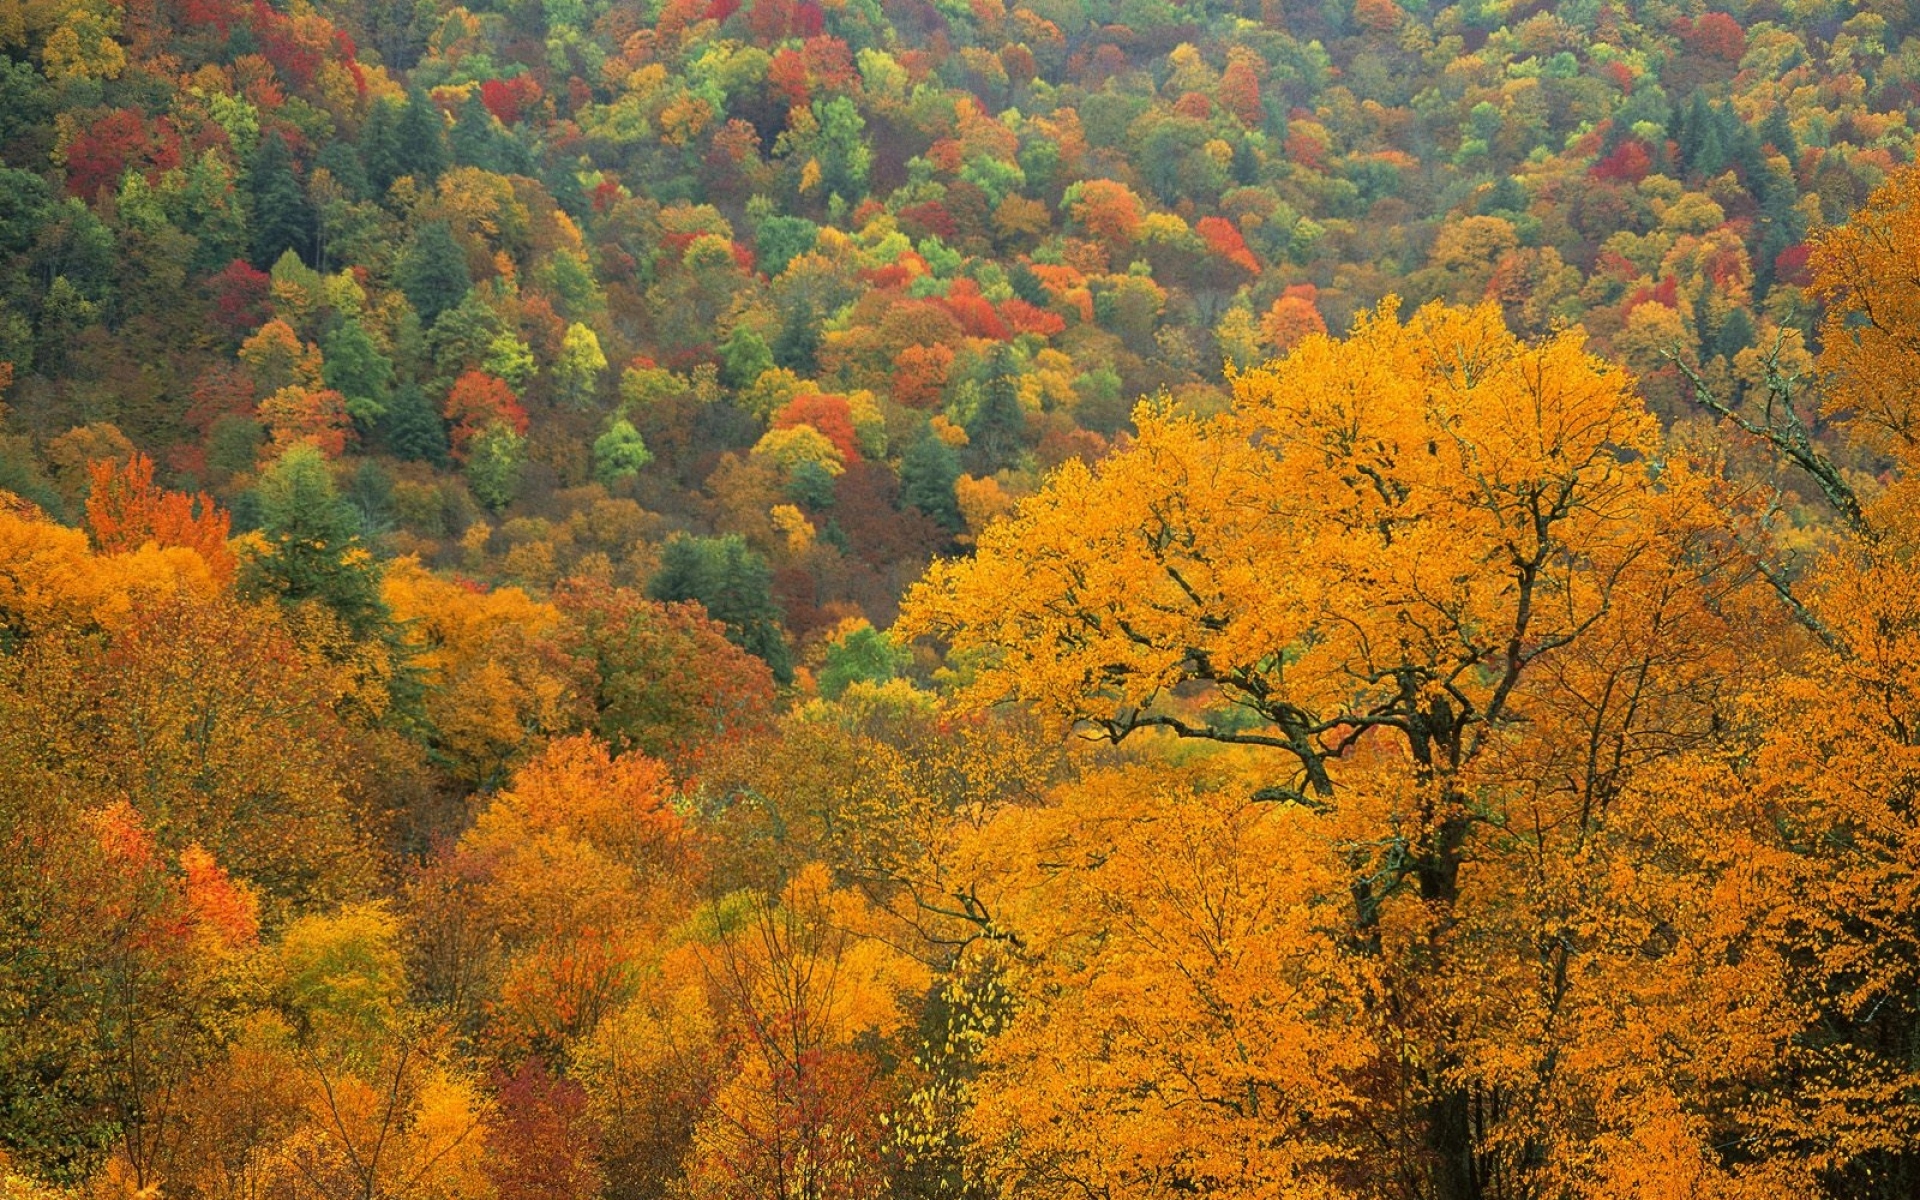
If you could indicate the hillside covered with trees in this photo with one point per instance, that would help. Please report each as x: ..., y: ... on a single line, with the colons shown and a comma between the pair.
x: 837, y: 599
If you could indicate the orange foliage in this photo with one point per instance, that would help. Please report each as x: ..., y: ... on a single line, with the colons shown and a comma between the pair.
x: 126, y: 510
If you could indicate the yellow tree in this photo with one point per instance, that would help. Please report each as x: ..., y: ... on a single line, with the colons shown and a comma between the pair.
x: 1461, y: 591
x: 1805, y: 878
x: 1185, y: 1016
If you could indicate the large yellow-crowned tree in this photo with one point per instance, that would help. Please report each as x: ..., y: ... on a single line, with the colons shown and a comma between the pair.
x: 1457, y: 594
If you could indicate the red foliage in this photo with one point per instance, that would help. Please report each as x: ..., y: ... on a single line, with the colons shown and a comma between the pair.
x: 826, y: 413
x: 931, y: 217
x: 787, y: 76
x: 240, y: 297
x: 830, y: 64
x: 974, y: 311
x: 477, y: 400
x: 545, y: 1143
x: 1666, y: 292
x: 101, y: 153
x: 773, y: 21
x: 222, y: 15
x: 1240, y: 91
x: 281, y: 44
x: 1716, y: 35
x: 508, y: 99
x: 1194, y: 105
x: 1023, y: 317
x: 920, y: 375
x: 893, y: 275
x: 1790, y: 265
x: 1629, y: 163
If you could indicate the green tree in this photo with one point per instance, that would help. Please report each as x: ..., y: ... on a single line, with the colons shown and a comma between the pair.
x: 579, y: 367
x: 412, y: 429
x: 735, y: 586
x: 928, y: 471
x: 433, y: 272
x: 475, y: 138
x: 380, y: 146
x: 495, y: 460
x: 744, y: 357
x: 421, y: 138
x: 353, y: 366
x: 282, y: 219
x: 844, y: 153
x: 999, y: 423
x: 619, y: 453
x: 865, y: 655
x: 314, y: 550
x: 780, y: 240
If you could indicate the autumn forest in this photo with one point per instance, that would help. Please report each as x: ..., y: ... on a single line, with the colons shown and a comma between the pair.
x: 959, y: 599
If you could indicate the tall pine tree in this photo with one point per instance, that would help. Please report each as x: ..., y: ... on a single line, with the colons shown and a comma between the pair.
x: 282, y: 217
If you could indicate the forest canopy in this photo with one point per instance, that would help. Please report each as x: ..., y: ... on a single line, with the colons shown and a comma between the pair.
x: 802, y: 600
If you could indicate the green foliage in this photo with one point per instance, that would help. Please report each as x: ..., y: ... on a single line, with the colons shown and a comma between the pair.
x: 420, y: 140
x: 314, y: 552
x: 928, y: 472
x: 619, y: 453
x: 281, y: 217
x: 780, y: 240
x: 433, y: 272
x: 735, y: 586
x: 343, y: 972
x: 354, y: 367
x: 495, y: 460
x: 864, y: 655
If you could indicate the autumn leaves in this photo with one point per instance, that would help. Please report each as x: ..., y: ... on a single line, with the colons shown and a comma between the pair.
x: 1510, y: 668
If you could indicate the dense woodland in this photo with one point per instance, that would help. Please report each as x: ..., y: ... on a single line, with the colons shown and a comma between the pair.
x: 839, y: 599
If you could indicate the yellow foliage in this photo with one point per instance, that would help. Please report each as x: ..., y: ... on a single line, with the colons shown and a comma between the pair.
x: 50, y: 578
x: 797, y: 444
x: 499, y: 683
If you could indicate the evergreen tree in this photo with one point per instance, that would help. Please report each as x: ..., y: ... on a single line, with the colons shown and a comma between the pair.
x: 380, y: 146
x: 282, y: 220
x: 736, y: 587
x: 998, y: 423
x: 1777, y: 131
x: 433, y: 273
x: 811, y: 486
x: 797, y: 348
x: 474, y: 139
x: 1693, y: 123
x: 353, y: 366
x: 1736, y: 334
x: 314, y: 548
x: 342, y: 161
x: 1027, y: 285
x: 928, y: 471
x: 421, y: 134
x: 412, y: 429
